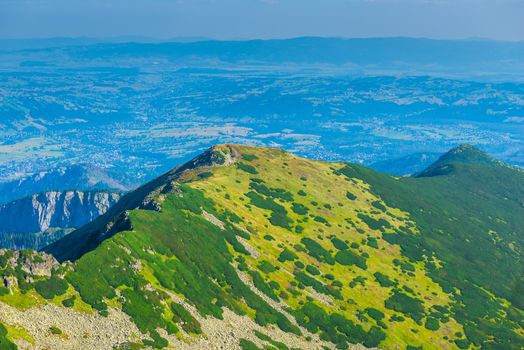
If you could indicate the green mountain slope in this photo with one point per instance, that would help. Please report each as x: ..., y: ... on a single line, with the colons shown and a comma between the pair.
x: 255, y: 248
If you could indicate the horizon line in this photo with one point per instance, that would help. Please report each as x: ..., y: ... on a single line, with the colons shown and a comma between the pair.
x: 189, y: 39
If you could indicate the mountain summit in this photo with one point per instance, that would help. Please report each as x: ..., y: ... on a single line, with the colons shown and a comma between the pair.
x: 461, y: 155
x: 256, y: 248
x: 89, y: 236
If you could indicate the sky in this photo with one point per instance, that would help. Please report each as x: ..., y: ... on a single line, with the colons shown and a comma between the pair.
x: 249, y: 19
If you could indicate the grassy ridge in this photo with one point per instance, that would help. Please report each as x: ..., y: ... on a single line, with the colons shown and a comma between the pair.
x: 344, y: 286
x: 352, y: 255
x: 471, y: 219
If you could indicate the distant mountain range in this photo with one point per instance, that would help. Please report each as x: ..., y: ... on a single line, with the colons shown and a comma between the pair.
x: 76, y: 177
x: 396, y: 54
x: 44, y: 43
x: 40, y: 219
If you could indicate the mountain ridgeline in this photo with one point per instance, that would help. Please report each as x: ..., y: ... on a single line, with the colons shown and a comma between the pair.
x: 461, y: 57
x: 37, y: 220
x: 82, y: 177
x: 256, y: 248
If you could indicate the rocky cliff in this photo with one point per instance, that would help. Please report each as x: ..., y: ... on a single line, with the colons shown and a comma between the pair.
x: 48, y: 212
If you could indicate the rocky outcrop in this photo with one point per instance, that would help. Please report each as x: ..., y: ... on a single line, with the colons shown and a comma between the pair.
x: 34, y: 263
x: 69, y: 209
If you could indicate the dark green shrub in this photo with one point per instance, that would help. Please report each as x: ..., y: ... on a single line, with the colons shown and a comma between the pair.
x: 248, y: 168
x: 462, y: 343
x: 375, y: 314
x: 281, y: 220
x: 372, y: 223
x: 317, y: 251
x: 432, y: 324
x: 248, y: 345
x: 348, y: 257
x: 205, y: 175
x: 357, y: 280
x: 276, y: 344
x: 383, y: 280
x: 249, y: 157
x: 51, y: 287
x: 405, y: 266
x: 350, y: 196
x: 69, y: 302
x: 411, y: 347
x: 287, y: 255
x: 309, y: 281
x: 5, y: 344
x: 157, y: 341
x: 55, y: 330
x: 184, y: 317
x: 278, y: 213
x: 396, y: 318
x: 378, y: 205
x: 274, y: 285
x: 337, y: 283
x: 407, y: 305
x: 374, y: 336
x: 372, y: 242
x: 312, y: 270
x: 321, y: 219
x: 299, y: 264
x: 339, y: 244
x: 279, y: 193
x: 266, y: 266
x: 299, y: 209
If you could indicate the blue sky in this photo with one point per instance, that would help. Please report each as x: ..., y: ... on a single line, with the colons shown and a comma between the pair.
x: 235, y: 19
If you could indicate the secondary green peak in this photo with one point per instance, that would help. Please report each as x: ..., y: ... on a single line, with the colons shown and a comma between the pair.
x: 467, y: 153
x: 461, y: 155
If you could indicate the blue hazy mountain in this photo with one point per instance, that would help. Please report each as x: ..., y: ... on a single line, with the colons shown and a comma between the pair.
x: 81, y: 177
x: 406, y: 165
x: 46, y: 43
x: 460, y: 57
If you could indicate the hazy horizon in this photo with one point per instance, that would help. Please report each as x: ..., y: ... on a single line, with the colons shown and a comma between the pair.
x: 197, y: 38
x: 263, y: 19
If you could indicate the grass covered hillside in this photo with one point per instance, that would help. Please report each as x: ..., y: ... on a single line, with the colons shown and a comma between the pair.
x: 255, y: 248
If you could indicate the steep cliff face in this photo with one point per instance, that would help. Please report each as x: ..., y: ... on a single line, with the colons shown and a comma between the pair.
x: 24, y: 219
